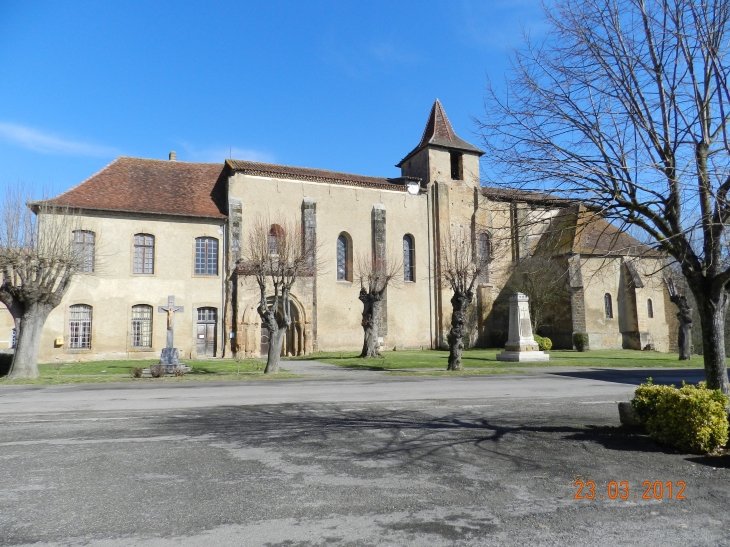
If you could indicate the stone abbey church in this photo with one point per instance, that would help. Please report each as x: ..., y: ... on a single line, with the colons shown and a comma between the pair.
x: 162, y: 234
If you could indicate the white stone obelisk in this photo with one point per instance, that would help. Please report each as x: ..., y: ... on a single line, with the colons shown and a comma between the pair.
x: 521, y: 345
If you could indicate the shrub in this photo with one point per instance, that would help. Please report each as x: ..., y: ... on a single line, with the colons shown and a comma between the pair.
x: 692, y: 418
x: 157, y: 371
x: 136, y: 372
x: 580, y: 341
x: 543, y: 342
x: 497, y: 339
x: 179, y: 370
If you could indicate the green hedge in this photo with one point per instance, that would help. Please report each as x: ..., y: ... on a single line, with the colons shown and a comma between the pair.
x: 543, y: 342
x: 692, y: 418
x: 580, y: 341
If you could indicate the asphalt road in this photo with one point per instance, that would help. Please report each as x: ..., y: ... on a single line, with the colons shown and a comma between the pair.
x: 359, y: 460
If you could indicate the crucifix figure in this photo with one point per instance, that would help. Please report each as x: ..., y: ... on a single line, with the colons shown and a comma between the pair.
x: 170, y: 310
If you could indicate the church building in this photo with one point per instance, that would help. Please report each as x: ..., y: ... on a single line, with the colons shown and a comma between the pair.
x: 162, y: 241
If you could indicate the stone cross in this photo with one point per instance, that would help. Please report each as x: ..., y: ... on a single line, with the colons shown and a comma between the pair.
x: 170, y: 311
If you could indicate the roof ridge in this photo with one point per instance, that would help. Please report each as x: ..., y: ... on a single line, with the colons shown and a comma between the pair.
x: 313, y: 169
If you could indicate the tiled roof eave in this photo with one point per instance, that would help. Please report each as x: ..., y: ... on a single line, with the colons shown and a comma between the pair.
x: 35, y: 204
x: 326, y: 180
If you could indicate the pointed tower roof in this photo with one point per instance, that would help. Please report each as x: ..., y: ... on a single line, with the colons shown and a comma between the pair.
x: 439, y: 132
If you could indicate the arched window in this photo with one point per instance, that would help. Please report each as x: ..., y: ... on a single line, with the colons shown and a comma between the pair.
x: 206, y: 256
x: 344, y: 257
x: 83, y: 247
x: 142, y: 326
x: 484, y: 249
x: 650, y: 308
x: 409, y: 258
x: 275, y: 234
x: 79, y: 327
x: 608, y: 305
x: 144, y: 254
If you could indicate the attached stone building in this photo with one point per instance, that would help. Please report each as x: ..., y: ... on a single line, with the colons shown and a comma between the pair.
x: 155, y: 229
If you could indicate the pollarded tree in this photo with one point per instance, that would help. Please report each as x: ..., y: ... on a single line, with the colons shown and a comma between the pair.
x: 626, y: 106
x: 461, y: 265
x: 38, y: 259
x: 375, y: 275
x: 276, y: 254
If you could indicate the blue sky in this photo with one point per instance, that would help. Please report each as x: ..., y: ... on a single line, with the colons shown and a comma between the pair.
x: 337, y: 85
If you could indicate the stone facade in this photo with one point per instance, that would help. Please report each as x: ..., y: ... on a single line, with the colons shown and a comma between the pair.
x: 183, y: 204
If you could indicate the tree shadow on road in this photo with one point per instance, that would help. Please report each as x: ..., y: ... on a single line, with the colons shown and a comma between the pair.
x: 635, y: 377
x: 406, y: 437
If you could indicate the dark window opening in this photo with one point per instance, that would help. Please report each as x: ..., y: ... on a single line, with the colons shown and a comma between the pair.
x: 650, y: 308
x: 456, y: 166
x: 608, y: 305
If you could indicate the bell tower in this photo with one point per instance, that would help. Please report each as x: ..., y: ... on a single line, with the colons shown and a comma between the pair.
x: 442, y: 156
x: 449, y: 168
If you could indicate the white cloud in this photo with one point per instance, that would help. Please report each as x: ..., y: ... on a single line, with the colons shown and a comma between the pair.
x: 45, y: 143
x: 218, y: 155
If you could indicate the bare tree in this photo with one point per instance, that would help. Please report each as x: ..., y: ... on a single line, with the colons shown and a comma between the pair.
x: 460, y: 267
x: 375, y: 275
x: 684, y: 316
x: 276, y: 254
x: 38, y: 259
x: 544, y: 281
x: 625, y: 106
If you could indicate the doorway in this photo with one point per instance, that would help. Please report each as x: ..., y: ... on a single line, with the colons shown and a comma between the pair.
x: 206, y: 332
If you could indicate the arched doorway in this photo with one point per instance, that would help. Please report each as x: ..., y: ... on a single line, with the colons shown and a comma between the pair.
x: 293, y: 339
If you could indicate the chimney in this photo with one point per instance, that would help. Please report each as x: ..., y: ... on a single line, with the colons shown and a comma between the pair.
x: 173, y: 156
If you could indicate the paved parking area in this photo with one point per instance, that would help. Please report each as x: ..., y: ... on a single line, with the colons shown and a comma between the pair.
x: 485, y: 468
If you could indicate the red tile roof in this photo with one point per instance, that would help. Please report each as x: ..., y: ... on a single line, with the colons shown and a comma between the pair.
x: 316, y: 175
x: 152, y: 186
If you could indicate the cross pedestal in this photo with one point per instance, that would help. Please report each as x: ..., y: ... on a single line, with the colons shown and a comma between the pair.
x: 169, y: 356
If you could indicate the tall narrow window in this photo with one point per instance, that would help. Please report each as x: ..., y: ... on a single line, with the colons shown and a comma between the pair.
x: 484, y: 248
x: 144, y: 254
x: 206, y: 256
x: 650, y: 308
x: 79, y: 327
x: 409, y: 258
x: 83, y: 248
x: 456, y: 166
x: 142, y: 326
x: 344, y: 258
x: 608, y: 305
x: 275, y: 233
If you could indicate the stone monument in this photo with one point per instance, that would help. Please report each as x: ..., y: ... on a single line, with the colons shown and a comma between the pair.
x: 170, y: 355
x: 521, y: 345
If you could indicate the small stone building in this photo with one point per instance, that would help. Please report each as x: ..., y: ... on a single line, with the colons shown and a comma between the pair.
x: 155, y: 229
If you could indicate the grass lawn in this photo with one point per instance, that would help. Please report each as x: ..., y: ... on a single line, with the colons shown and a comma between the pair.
x: 485, y: 360
x: 119, y: 371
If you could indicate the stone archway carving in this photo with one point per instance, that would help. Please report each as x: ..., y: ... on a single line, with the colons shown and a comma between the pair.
x: 298, y: 339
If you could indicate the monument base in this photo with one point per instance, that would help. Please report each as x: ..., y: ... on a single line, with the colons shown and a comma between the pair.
x: 522, y: 356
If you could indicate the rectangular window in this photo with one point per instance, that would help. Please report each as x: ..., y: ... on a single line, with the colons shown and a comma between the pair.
x: 142, y: 326
x: 83, y: 249
x: 79, y: 327
x: 456, y: 166
x: 144, y: 254
x: 206, y: 256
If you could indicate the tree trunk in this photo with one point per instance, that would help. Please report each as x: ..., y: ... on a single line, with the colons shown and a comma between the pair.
x: 370, y: 324
x: 25, y: 360
x: 712, y: 309
x: 684, y: 341
x: 276, y: 338
x: 459, y: 303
